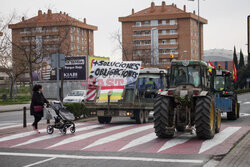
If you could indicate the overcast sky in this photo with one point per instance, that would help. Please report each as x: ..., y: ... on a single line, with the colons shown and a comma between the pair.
x: 227, y: 19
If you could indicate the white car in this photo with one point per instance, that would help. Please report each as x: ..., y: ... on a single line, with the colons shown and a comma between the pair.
x: 75, y: 96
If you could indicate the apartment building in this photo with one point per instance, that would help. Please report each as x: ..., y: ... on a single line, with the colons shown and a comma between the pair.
x: 49, y: 33
x: 177, y: 34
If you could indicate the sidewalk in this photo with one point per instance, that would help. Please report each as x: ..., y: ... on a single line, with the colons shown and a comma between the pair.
x: 238, y: 156
x: 14, y: 107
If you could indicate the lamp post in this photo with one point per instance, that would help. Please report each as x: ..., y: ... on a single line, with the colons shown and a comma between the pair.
x: 199, y: 45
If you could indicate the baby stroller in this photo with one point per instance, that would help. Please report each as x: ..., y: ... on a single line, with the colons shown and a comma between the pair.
x: 63, y: 119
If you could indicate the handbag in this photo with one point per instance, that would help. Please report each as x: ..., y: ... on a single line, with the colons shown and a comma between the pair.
x: 38, y: 108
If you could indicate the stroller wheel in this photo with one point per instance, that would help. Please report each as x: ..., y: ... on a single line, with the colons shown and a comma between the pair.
x: 50, y: 129
x: 72, y: 129
x: 63, y: 130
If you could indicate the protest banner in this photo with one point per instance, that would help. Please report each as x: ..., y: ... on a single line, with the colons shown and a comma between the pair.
x: 113, y: 76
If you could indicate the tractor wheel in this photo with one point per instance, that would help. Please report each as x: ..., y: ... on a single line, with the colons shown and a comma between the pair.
x: 233, y: 114
x: 238, y: 110
x: 139, y: 116
x: 218, y: 122
x: 162, y: 117
x: 145, y: 116
x: 108, y: 120
x: 205, y: 117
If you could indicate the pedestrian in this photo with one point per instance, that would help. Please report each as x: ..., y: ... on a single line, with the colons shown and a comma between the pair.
x: 36, y: 106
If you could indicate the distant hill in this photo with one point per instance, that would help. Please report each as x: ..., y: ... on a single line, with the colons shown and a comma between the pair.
x: 219, y: 55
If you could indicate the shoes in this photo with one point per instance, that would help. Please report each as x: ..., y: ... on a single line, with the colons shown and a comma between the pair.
x: 37, y: 131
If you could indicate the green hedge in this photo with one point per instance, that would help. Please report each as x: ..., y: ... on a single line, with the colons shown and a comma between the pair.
x: 78, y: 109
x: 239, y: 91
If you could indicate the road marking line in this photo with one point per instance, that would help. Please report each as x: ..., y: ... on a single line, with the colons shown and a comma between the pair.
x: 87, y: 135
x: 246, y: 102
x: 218, y: 138
x: 174, y: 142
x: 13, y: 126
x: 40, y: 162
x: 55, y: 135
x: 118, y: 136
x: 16, y: 136
x: 146, y: 159
x: 144, y: 139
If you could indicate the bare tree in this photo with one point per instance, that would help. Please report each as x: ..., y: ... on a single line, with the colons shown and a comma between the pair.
x: 6, y: 56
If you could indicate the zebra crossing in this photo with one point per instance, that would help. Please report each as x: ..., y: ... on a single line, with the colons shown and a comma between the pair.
x: 91, y: 136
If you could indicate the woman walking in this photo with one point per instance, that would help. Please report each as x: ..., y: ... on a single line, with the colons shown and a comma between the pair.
x: 36, y: 106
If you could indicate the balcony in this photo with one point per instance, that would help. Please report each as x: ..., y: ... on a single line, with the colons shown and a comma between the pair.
x: 159, y: 26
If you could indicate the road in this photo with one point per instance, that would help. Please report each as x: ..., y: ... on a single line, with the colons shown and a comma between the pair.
x: 122, y: 143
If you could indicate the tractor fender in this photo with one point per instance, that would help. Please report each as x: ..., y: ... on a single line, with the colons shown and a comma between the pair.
x: 164, y: 93
x: 203, y: 93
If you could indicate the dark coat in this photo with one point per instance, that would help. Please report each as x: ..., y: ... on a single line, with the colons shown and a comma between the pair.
x: 37, y: 100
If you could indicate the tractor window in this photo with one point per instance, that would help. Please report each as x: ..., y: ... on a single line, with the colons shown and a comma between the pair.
x: 185, y: 75
x: 149, y: 82
x: 228, y: 83
x: 219, y: 83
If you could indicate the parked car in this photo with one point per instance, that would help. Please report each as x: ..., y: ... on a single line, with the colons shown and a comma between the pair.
x: 75, y: 96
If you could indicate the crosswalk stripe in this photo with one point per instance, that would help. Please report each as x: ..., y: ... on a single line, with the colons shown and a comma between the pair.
x: 16, y: 136
x: 118, y: 136
x: 141, y: 140
x: 55, y: 135
x: 87, y: 135
x: 218, y: 138
x: 12, y: 126
x: 174, y: 142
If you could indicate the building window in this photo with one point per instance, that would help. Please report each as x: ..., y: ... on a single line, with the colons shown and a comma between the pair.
x: 137, y: 43
x: 154, y: 22
x: 163, y: 51
x: 172, y: 41
x: 172, y: 22
x: 147, y: 32
x: 164, y: 22
x: 163, y: 32
x: 138, y: 33
x: 147, y: 42
x: 164, y: 41
x: 138, y: 24
x: 72, y: 38
x: 172, y: 31
x: 138, y: 52
x: 164, y: 61
x: 172, y: 51
x: 146, y: 23
x: 54, y: 29
x: 215, y: 63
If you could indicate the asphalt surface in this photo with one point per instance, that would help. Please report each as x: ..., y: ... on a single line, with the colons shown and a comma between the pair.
x: 43, y: 157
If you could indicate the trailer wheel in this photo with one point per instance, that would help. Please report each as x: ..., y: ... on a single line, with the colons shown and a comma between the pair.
x: 233, y: 114
x: 139, y: 116
x: 162, y: 117
x: 145, y: 116
x: 103, y: 120
x: 205, y: 117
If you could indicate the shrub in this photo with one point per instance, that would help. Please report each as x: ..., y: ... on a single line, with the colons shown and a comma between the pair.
x: 239, y: 91
x: 77, y: 109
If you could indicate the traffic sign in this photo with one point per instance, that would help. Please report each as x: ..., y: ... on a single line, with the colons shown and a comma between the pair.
x: 58, y: 60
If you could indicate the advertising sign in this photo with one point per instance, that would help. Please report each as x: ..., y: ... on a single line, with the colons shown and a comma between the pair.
x: 75, y: 68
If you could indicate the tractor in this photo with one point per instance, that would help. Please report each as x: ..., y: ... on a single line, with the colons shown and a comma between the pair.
x: 187, y: 104
x: 225, y: 97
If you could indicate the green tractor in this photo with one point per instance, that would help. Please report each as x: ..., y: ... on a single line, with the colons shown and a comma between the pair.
x: 188, y: 103
x: 225, y: 97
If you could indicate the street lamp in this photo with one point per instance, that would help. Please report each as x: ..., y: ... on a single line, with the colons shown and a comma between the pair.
x: 199, y: 45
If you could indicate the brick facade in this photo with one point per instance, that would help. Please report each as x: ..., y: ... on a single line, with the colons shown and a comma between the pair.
x: 51, y: 33
x: 177, y: 29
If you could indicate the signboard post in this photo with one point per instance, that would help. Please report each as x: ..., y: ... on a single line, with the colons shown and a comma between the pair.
x: 248, y: 34
x: 58, y: 61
